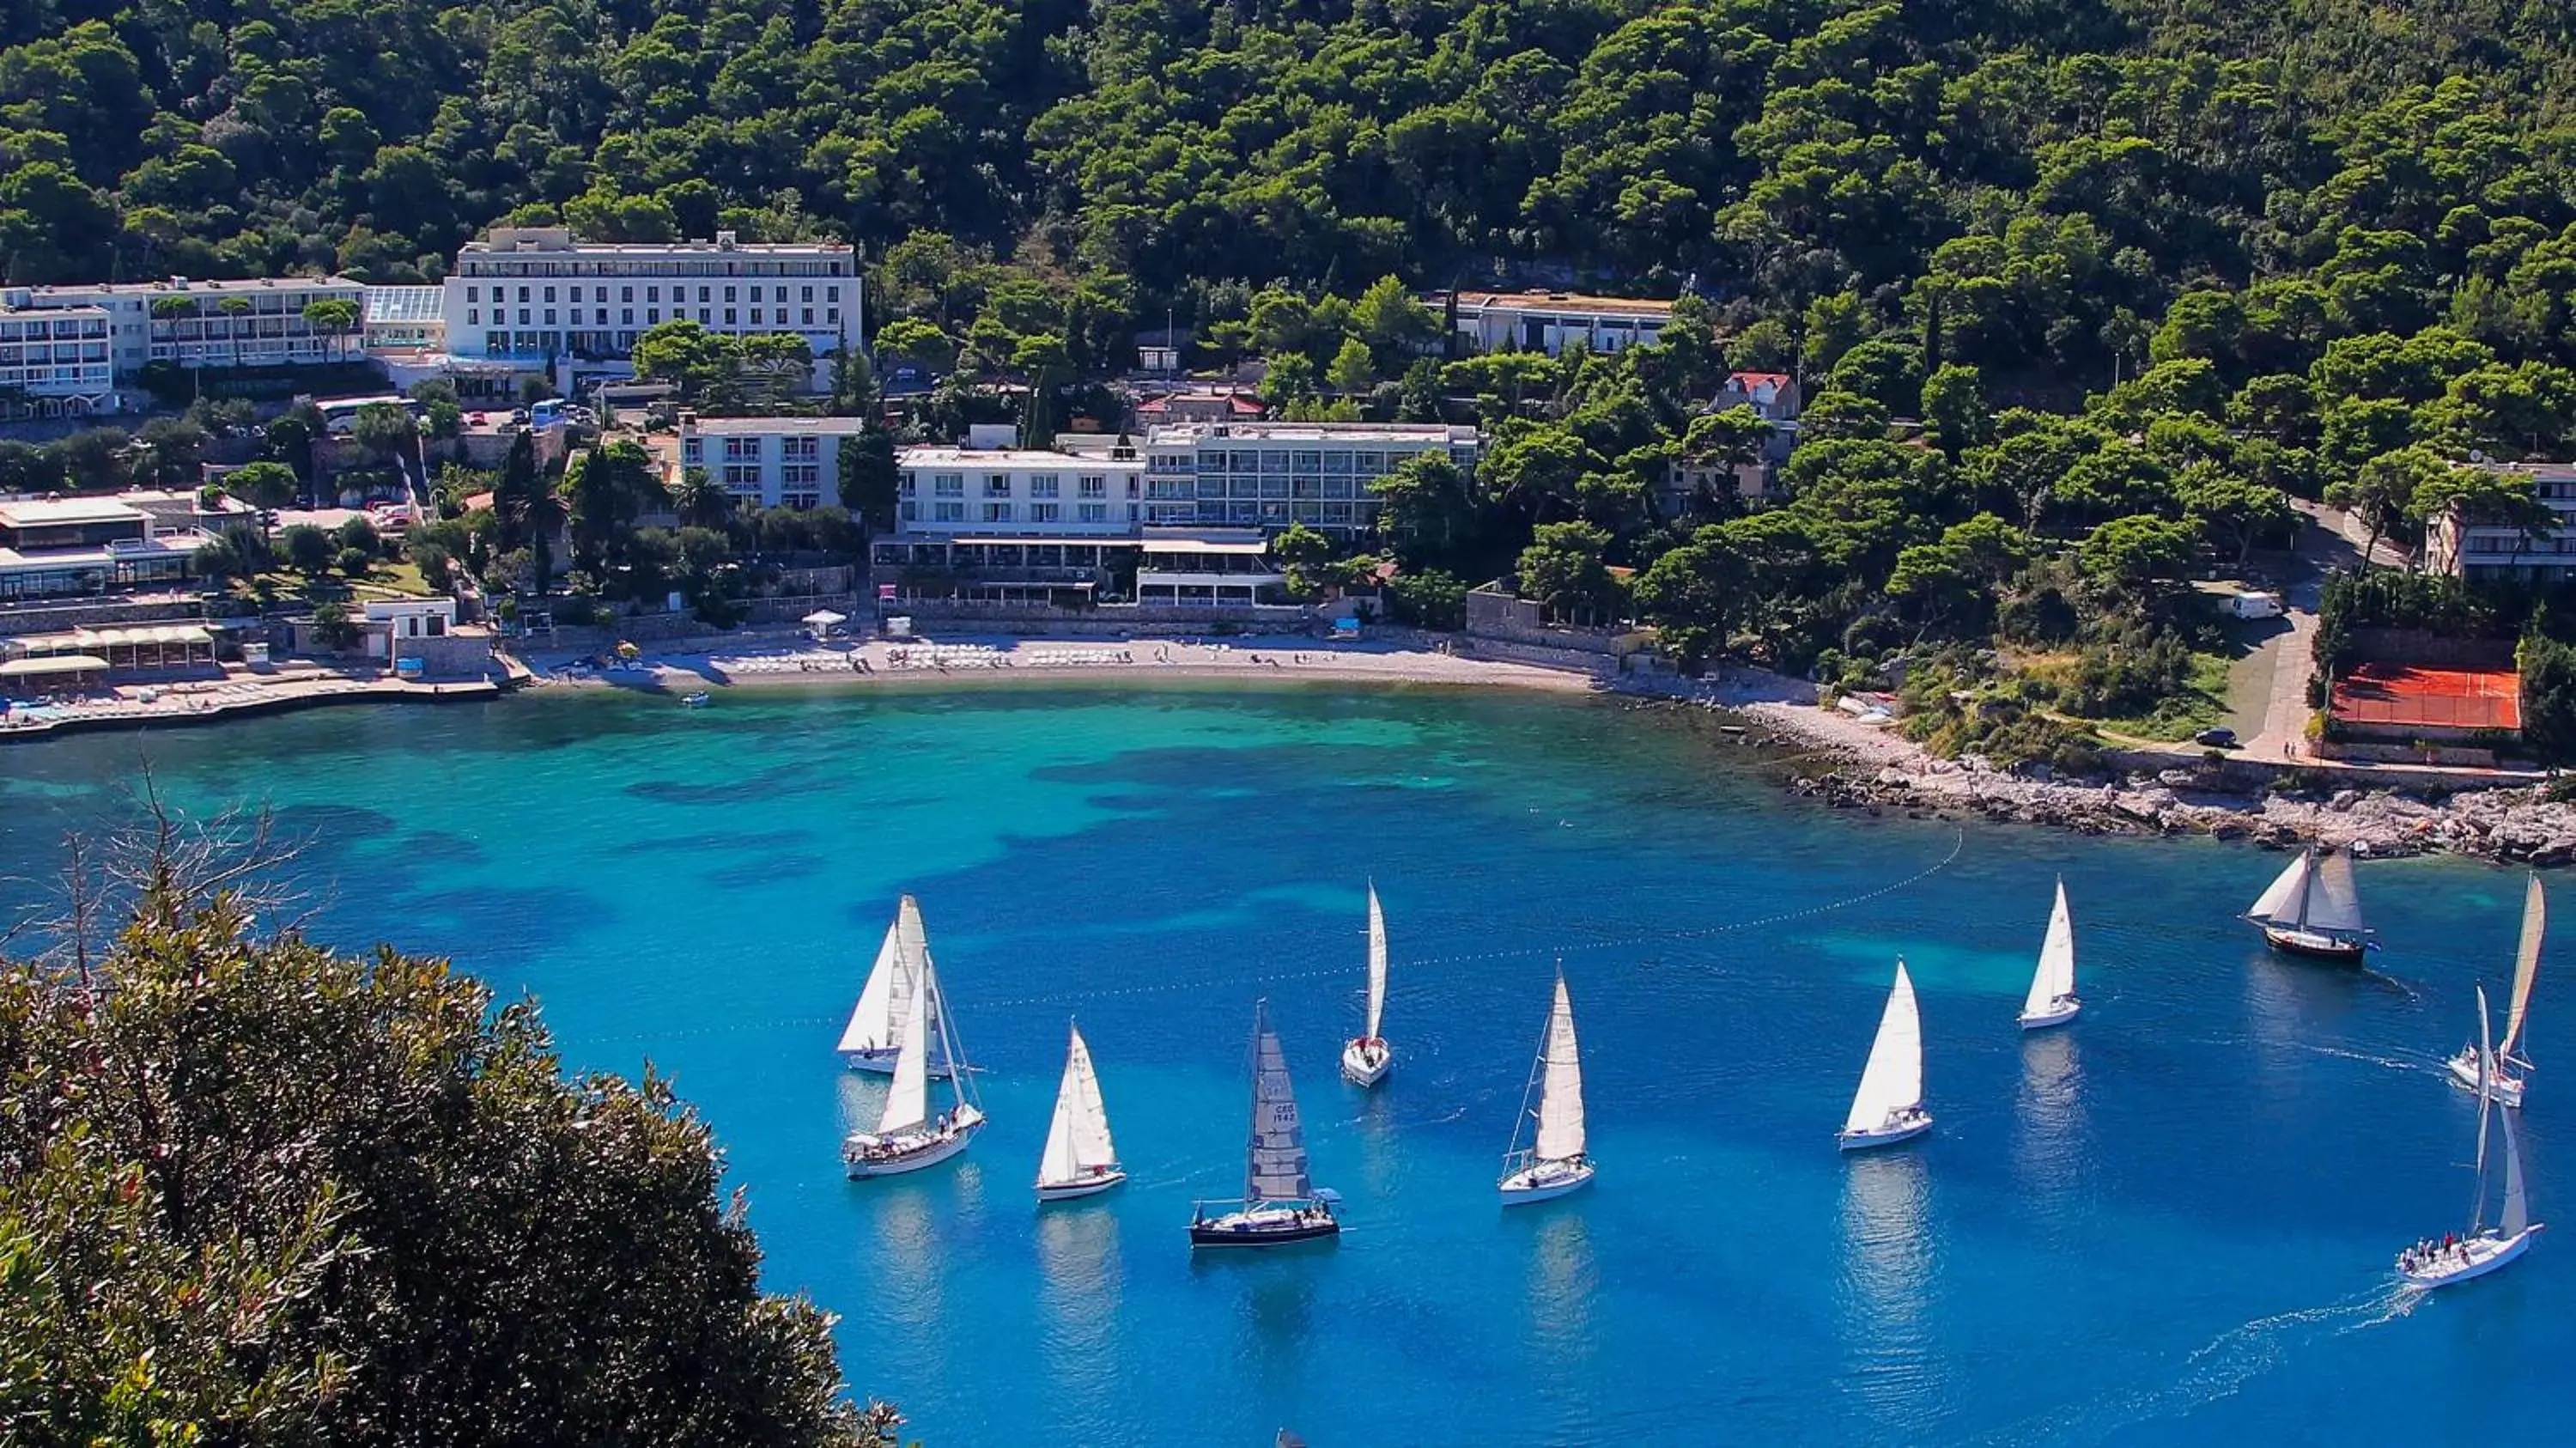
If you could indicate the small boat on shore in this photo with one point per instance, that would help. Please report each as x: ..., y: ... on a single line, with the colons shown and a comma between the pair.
x: 1280, y: 1203
x: 2311, y: 909
x: 2052, y: 986
x: 2463, y: 1256
x: 1555, y: 1162
x: 908, y: 1138
x: 1079, y: 1159
x: 874, y: 1034
x: 698, y: 700
x: 2502, y: 1082
x: 1366, y: 1057
x: 1888, y: 1106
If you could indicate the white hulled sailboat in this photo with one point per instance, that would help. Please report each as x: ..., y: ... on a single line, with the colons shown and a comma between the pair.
x: 1888, y: 1107
x: 1555, y: 1162
x: 1367, y: 1057
x: 2052, y: 986
x: 2502, y: 1081
x: 875, y: 1032
x: 2312, y: 909
x: 1280, y: 1203
x: 2481, y: 1249
x: 1079, y: 1158
x: 907, y: 1138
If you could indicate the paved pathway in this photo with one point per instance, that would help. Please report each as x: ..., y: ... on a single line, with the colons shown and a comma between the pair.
x: 2275, y: 676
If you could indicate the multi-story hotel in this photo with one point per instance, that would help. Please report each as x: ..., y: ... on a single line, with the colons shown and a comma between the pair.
x: 769, y: 462
x: 1551, y: 321
x: 55, y: 362
x: 258, y: 322
x: 542, y: 294
x: 1000, y: 523
x: 1271, y: 474
x: 2489, y: 552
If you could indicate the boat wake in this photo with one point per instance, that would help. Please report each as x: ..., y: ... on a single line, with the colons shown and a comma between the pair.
x: 2367, y: 1058
x: 2216, y: 1370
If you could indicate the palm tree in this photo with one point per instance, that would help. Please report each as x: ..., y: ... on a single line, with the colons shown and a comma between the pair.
x: 698, y: 501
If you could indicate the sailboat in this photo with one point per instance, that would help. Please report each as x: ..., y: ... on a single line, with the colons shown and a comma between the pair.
x: 2502, y: 1083
x: 2481, y: 1249
x: 907, y: 1138
x: 1079, y: 1159
x: 1888, y: 1107
x: 1366, y: 1057
x: 1280, y: 1203
x: 875, y: 1032
x: 1555, y: 1162
x: 2052, y: 987
x: 2312, y: 909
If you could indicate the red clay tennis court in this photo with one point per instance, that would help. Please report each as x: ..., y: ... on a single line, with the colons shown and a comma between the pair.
x: 2406, y: 696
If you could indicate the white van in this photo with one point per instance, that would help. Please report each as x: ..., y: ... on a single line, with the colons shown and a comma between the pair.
x: 2254, y: 605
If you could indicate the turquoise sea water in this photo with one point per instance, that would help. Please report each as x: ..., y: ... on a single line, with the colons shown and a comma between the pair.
x: 2169, y: 1223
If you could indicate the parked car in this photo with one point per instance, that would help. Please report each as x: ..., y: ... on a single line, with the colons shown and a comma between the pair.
x: 2221, y: 738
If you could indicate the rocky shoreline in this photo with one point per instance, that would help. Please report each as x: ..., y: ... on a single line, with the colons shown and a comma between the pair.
x: 1843, y: 763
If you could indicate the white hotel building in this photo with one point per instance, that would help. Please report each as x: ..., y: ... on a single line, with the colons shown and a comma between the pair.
x: 539, y: 294
x: 1269, y: 475
x: 2485, y: 552
x: 768, y: 462
x: 257, y: 322
x: 55, y: 362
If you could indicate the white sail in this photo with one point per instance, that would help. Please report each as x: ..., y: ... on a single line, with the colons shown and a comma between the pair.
x: 2486, y: 1107
x: 871, y: 1026
x: 1560, y: 1102
x: 2333, y: 903
x: 2279, y: 903
x: 2517, y: 1207
x: 1078, y: 1139
x: 2526, y: 966
x: 2055, y: 976
x: 1377, y: 964
x: 908, y: 1098
x: 1275, y: 1163
x: 1893, y: 1080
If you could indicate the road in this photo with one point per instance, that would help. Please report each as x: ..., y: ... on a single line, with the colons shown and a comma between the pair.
x: 2275, y: 675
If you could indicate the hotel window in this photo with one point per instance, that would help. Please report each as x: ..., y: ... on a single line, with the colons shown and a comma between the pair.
x: 800, y: 475
x: 809, y: 316
x: 1042, y: 485
x: 599, y: 294
x: 550, y: 294
x: 729, y: 319
x: 473, y: 294
x: 755, y: 316
x: 997, y: 512
x: 473, y: 316
x: 694, y: 451
x: 599, y: 315
x: 1095, y: 512
x: 948, y: 485
x: 997, y: 485
x: 625, y: 294
x: 652, y: 316
x: 1372, y: 463
x: 626, y: 315
x: 742, y: 447
x: 808, y: 296
x: 523, y: 317
x: 741, y: 477
x: 831, y: 294
x: 1093, y: 485
x: 729, y: 293
x: 800, y: 447
x: 496, y: 342
x: 523, y: 294
x: 832, y: 315
x: 652, y: 294
x: 706, y: 294
x: 706, y: 316
x: 910, y: 486
x: 1046, y: 512
x: 948, y: 512
x: 911, y: 511
x: 550, y: 316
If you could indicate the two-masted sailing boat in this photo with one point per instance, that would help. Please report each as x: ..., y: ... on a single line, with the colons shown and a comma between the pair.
x: 907, y: 1137
x: 1888, y: 1107
x: 1079, y: 1159
x: 2313, y: 910
x: 1555, y: 1162
x: 1366, y: 1056
x: 874, y: 1035
x: 2502, y: 1081
x: 1280, y: 1203
x: 2481, y: 1249
x: 2052, y: 987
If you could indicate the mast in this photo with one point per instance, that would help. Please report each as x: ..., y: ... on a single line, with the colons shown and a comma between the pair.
x: 1056, y: 1163
x: 2307, y: 884
x: 2526, y: 968
x: 907, y: 1102
x: 1377, y: 962
x: 961, y: 1086
x: 2517, y: 1205
x: 1091, y: 1144
x: 1560, y: 1102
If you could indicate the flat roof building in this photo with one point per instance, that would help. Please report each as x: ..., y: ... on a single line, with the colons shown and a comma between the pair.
x: 55, y: 547
x: 541, y: 294
x: 58, y: 360
x: 2490, y: 552
x: 770, y: 462
x: 251, y: 322
x: 1272, y: 474
x: 1538, y: 321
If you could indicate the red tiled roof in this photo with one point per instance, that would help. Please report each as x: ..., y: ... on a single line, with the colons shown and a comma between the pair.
x: 2400, y: 696
x: 1250, y: 405
x: 1751, y: 380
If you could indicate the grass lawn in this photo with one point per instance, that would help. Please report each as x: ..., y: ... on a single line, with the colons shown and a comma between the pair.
x: 397, y: 579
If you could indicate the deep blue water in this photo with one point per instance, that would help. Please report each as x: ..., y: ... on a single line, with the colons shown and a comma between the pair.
x: 2170, y: 1223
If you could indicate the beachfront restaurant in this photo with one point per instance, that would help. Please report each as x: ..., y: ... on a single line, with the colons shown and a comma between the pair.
x: 52, y: 674
x: 1207, y: 567
x: 1058, y: 572
x: 140, y: 648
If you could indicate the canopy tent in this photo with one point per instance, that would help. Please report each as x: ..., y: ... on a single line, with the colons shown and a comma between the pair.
x: 825, y: 618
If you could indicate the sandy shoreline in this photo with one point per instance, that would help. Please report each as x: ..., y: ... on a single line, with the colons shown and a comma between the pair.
x: 685, y: 668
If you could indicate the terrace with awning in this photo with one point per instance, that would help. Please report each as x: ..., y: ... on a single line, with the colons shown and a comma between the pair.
x: 140, y: 646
